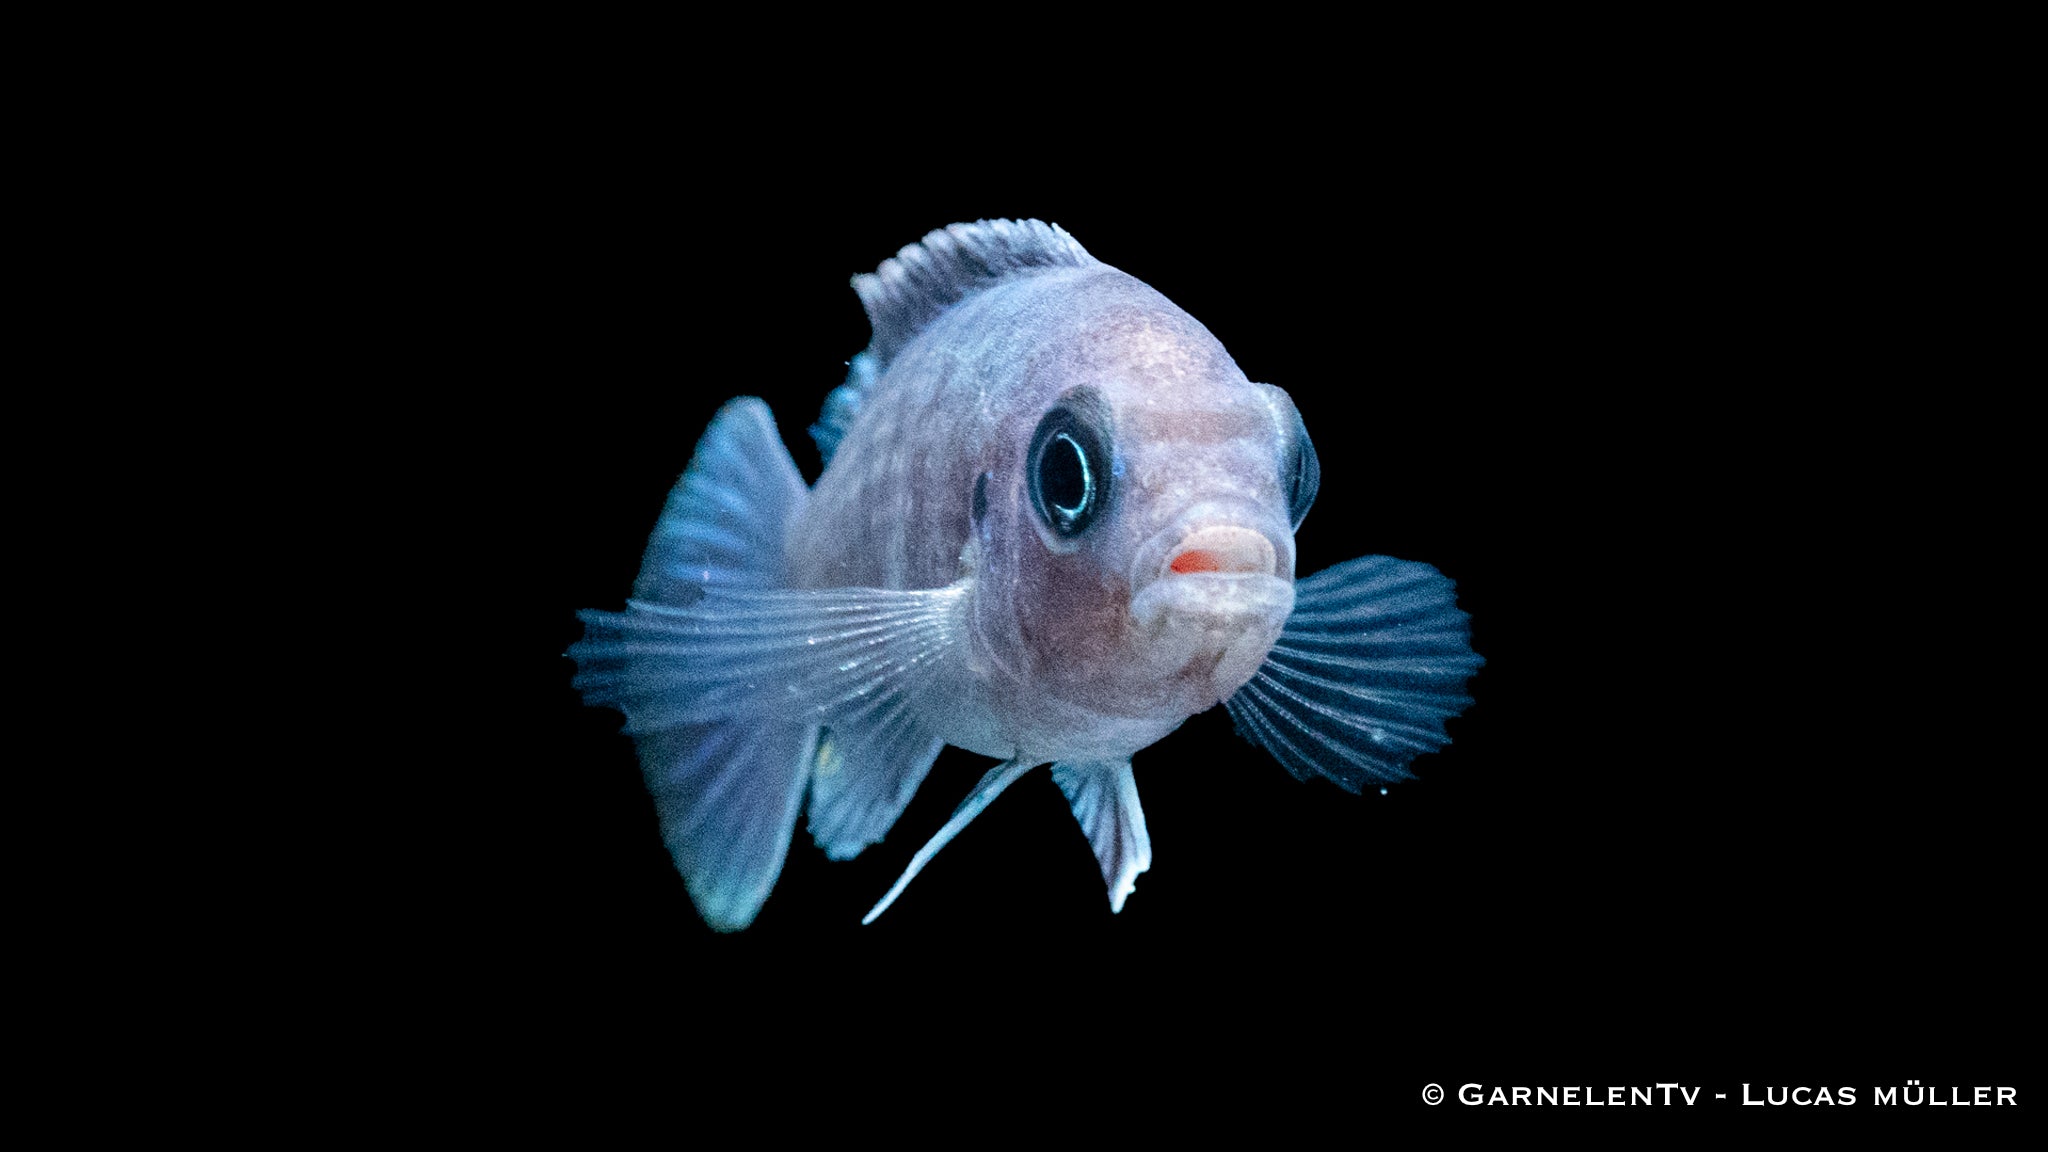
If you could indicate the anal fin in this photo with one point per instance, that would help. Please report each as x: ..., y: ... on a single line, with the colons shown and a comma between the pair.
x: 867, y: 768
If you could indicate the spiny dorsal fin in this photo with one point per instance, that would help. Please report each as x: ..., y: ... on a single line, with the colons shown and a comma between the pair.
x: 911, y: 288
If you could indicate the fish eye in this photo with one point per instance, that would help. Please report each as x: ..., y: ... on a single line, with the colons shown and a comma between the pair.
x: 1069, y: 472
x: 1300, y: 473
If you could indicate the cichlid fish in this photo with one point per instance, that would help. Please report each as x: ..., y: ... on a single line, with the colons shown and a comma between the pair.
x: 1055, y: 521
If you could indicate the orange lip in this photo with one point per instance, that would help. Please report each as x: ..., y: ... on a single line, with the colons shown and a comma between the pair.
x: 1221, y: 549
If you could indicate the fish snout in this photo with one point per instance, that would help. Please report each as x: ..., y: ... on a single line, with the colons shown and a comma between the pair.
x: 1215, y: 538
x: 1210, y: 600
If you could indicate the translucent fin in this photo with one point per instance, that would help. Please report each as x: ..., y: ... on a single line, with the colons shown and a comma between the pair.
x: 725, y: 521
x: 728, y: 784
x: 1104, y: 797
x: 842, y: 405
x: 922, y: 280
x: 1372, y: 662
x: 999, y: 777
x: 729, y: 686
x: 866, y: 771
x: 728, y: 795
x: 837, y: 656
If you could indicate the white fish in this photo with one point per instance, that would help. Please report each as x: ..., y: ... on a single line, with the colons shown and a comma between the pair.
x: 1056, y: 520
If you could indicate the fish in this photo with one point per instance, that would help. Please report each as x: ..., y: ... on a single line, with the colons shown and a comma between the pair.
x: 1055, y: 520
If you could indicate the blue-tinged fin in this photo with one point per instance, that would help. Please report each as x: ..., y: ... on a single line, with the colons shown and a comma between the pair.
x: 725, y: 520
x: 758, y: 672
x: 728, y: 794
x: 912, y: 288
x: 1371, y: 663
x: 992, y: 784
x: 867, y: 769
x: 726, y: 678
x: 728, y: 785
x: 839, y: 656
x: 1104, y: 797
x: 842, y: 405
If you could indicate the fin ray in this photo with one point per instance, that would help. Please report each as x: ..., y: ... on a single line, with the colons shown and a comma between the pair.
x: 1104, y: 798
x: 800, y: 655
x: 877, y: 765
x: 1368, y: 669
x: 992, y: 784
x: 912, y: 288
x: 725, y: 520
x: 728, y: 797
x: 728, y: 786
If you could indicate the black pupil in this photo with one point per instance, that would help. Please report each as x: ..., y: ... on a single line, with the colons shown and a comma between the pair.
x: 1063, y: 476
x: 1070, y: 473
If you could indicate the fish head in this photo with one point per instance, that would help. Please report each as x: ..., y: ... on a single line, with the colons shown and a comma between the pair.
x: 1148, y: 530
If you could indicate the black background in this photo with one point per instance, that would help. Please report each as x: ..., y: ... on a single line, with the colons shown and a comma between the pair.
x: 1719, y: 811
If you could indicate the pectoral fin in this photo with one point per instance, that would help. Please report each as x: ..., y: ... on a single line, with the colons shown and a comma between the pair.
x: 1372, y: 662
x: 743, y: 696
x: 1104, y: 797
x: 727, y: 697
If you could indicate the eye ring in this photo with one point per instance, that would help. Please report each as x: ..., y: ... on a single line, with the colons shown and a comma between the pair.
x: 1065, y: 481
x: 1069, y: 471
x: 1300, y: 473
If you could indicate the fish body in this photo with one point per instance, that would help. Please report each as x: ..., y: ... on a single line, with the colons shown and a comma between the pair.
x: 1056, y: 520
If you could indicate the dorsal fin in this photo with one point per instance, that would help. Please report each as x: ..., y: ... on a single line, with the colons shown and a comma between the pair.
x: 914, y: 286
x: 924, y: 279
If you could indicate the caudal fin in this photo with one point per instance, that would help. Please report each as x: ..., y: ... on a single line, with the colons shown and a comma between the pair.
x: 728, y: 781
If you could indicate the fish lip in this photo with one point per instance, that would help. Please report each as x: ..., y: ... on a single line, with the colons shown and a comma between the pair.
x: 1242, y: 577
x: 1216, y: 599
x: 1219, y: 549
x: 1221, y: 529
x: 1209, y: 631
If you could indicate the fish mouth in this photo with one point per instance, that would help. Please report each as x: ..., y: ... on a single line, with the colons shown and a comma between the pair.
x: 1220, y: 549
x: 1212, y: 540
x: 1213, y: 599
x: 1212, y: 607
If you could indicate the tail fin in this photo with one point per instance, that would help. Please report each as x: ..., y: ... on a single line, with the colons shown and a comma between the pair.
x: 728, y: 786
